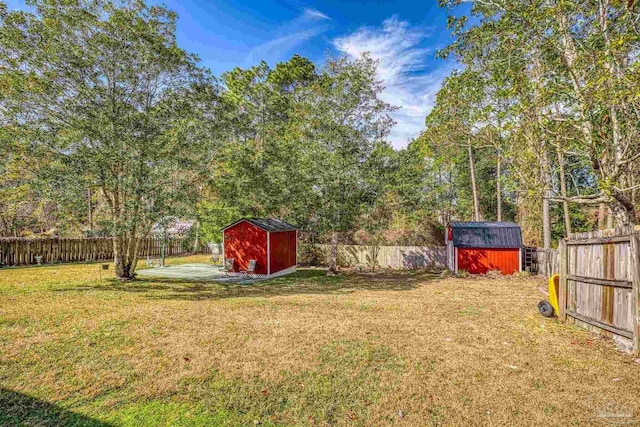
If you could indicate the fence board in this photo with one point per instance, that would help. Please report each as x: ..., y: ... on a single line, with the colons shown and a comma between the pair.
x: 634, y: 306
x: 600, y: 281
x: 563, y: 250
x: 395, y: 257
x: 540, y: 261
x: 23, y: 251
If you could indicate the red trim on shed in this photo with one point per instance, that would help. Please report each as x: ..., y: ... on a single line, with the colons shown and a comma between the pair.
x: 479, y: 261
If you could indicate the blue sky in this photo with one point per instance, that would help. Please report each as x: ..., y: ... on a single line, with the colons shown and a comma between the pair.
x: 403, y: 36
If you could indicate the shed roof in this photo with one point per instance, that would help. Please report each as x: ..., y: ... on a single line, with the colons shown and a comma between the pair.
x: 486, y: 235
x: 267, y: 224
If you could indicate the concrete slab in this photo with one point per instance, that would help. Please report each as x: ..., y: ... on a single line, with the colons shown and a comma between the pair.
x: 193, y: 272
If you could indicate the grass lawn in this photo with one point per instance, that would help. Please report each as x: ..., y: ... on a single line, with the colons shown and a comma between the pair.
x: 359, y: 349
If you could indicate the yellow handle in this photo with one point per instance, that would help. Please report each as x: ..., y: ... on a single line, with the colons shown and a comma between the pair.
x: 554, y: 283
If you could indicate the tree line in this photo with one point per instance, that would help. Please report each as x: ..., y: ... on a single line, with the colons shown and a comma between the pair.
x: 107, y: 127
x: 549, y: 92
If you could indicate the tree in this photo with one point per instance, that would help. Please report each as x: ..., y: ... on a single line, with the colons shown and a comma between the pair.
x: 261, y: 169
x: 213, y: 216
x: 102, y: 88
x: 455, y: 123
x: 573, y: 63
x: 344, y: 121
x: 376, y: 222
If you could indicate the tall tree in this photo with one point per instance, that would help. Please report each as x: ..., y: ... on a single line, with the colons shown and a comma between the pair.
x: 261, y: 168
x: 574, y: 62
x: 345, y: 120
x: 102, y: 87
x: 458, y: 122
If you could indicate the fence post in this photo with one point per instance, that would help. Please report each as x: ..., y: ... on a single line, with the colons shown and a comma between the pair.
x: 563, y: 253
x: 634, y: 238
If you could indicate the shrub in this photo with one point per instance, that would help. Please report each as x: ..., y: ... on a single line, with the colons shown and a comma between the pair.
x: 463, y: 274
x: 445, y: 274
x: 521, y: 275
x: 310, y: 254
x: 318, y: 256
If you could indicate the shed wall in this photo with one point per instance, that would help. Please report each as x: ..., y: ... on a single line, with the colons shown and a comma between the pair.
x: 243, y: 242
x: 283, y: 250
x: 479, y: 261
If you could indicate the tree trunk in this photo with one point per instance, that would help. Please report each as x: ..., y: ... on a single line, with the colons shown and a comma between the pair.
x: 623, y: 211
x: 602, y: 216
x: 499, y: 189
x: 333, y: 259
x: 373, y: 253
x: 546, y: 222
x: 90, y: 210
x: 474, y: 188
x: 196, y: 242
x: 125, y: 249
x: 609, y: 218
x: 133, y: 255
x: 633, y: 184
x: 163, y: 255
x: 546, y: 214
x: 118, y: 257
x: 563, y: 193
x: 545, y: 162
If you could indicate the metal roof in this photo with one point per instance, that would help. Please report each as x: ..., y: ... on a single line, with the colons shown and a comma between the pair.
x: 267, y: 224
x: 486, y: 235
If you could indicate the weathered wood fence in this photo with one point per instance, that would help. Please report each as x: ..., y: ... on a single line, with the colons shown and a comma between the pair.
x: 541, y: 261
x: 23, y: 251
x: 600, y: 283
x: 395, y: 257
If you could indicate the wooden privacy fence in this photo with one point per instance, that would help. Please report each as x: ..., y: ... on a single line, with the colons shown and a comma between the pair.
x: 541, y: 261
x: 396, y: 257
x: 600, y: 283
x: 22, y: 251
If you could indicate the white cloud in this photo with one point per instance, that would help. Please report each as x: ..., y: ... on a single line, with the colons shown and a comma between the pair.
x: 277, y: 48
x: 290, y: 34
x: 312, y: 13
x: 397, y: 47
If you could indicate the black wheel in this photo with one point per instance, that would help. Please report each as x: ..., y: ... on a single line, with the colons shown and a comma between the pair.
x: 545, y: 308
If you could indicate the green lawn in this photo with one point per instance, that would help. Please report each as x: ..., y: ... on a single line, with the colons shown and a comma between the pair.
x: 79, y: 348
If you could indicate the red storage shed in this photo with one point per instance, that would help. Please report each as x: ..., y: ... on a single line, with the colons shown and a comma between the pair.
x: 478, y: 247
x: 273, y: 243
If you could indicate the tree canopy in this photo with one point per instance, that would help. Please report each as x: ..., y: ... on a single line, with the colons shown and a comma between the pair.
x: 107, y: 126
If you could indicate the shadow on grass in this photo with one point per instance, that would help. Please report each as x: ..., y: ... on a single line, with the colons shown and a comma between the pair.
x: 17, y: 409
x: 306, y: 281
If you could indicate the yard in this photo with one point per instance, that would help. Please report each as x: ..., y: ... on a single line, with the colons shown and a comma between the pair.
x: 78, y: 348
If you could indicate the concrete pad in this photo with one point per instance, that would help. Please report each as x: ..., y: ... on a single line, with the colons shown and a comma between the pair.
x: 195, y: 272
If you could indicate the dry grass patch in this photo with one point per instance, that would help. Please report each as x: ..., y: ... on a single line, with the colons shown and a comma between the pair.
x: 358, y: 349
